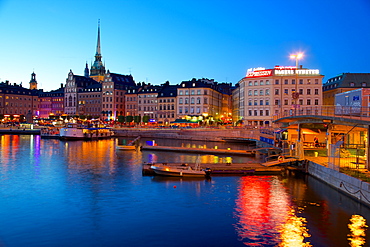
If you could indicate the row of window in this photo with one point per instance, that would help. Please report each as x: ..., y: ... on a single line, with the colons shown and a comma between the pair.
x: 261, y: 112
x: 192, y: 92
x: 168, y: 100
x: 11, y: 104
x: 192, y: 110
x: 277, y: 91
x: 17, y: 98
x: 169, y: 107
x: 149, y: 108
x: 167, y: 116
x: 193, y: 101
x: 277, y: 82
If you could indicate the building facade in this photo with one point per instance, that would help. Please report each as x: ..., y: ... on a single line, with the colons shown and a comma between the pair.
x: 343, y: 83
x: 74, y: 85
x: 167, y: 104
x: 148, y: 102
x: 51, y: 103
x: 16, y: 100
x: 283, y: 89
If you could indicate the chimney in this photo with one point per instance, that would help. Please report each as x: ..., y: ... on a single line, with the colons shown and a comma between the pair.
x: 61, y: 85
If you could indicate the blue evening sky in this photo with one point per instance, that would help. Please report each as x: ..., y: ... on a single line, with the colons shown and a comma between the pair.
x: 176, y: 40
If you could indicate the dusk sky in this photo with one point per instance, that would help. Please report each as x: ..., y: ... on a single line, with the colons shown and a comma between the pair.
x: 175, y: 40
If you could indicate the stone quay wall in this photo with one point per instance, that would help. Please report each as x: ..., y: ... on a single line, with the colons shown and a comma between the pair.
x: 187, y: 134
x: 348, y: 185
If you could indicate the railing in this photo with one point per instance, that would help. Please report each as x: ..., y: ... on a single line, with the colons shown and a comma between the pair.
x: 350, y: 112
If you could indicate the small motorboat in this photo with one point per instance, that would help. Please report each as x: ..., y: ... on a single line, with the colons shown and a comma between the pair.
x: 133, y: 145
x: 126, y: 147
x: 180, y: 171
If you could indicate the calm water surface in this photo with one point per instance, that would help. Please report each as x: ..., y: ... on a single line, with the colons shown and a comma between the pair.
x: 86, y: 193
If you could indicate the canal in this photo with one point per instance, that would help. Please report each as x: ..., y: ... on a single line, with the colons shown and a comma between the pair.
x: 87, y: 193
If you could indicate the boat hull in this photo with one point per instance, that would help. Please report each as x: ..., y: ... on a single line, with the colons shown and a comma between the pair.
x: 84, y: 133
x: 177, y: 172
x: 122, y: 147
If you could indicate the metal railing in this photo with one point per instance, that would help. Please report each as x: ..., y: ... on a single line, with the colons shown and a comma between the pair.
x: 350, y: 112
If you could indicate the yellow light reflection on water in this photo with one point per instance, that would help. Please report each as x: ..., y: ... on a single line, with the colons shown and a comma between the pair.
x: 357, y: 228
x: 294, y: 231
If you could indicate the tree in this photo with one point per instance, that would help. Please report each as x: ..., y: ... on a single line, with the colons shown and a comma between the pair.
x: 121, y: 119
x: 129, y: 119
x: 137, y: 119
x: 146, y: 119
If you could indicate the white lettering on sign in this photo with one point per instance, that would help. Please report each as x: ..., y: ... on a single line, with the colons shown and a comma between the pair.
x: 259, y: 73
x: 296, y: 71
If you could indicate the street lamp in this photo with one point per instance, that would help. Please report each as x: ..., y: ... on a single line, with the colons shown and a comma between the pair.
x: 296, y: 57
x: 295, y: 95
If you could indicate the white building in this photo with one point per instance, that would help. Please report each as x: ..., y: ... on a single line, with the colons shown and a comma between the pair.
x: 283, y: 89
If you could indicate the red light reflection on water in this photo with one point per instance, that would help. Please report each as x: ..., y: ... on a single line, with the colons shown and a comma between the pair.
x: 263, y: 209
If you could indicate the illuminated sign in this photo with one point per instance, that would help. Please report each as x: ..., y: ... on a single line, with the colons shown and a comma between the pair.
x: 259, y: 73
x: 296, y: 71
x: 285, y: 67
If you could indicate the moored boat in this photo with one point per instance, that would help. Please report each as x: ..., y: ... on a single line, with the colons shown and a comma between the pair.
x: 133, y: 145
x: 180, y: 171
x: 74, y: 132
x: 126, y: 147
x: 50, y: 133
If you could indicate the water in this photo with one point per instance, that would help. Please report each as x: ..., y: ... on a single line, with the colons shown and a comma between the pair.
x: 86, y: 193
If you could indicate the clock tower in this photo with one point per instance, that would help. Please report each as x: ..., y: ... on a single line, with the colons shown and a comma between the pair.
x: 33, y: 82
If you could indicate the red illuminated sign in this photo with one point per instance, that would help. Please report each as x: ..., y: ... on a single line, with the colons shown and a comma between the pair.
x: 259, y: 73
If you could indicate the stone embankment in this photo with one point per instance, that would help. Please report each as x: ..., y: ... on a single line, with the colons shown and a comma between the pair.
x: 198, y: 134
x: 348, y: 185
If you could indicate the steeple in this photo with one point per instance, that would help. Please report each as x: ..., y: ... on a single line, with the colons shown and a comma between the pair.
x: 97, y: 71
x: 86, y: 74
x: 98, y: 52
x: 33, y: 82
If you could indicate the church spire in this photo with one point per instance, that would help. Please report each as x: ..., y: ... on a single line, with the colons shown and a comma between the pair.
x: 98, y: 52
x: 97, y: 71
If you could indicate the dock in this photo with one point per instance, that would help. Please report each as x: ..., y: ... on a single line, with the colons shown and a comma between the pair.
x: 225, y: 168
x: 200, y: 150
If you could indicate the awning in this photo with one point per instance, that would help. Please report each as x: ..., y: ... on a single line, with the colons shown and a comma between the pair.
x: 180, y: 121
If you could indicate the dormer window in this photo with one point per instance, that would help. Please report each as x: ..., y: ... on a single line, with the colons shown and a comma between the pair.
x: 183, y: 85
x: 363, y: 84
x: 351, y: 84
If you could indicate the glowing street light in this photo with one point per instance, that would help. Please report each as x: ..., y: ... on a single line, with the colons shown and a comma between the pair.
x: 296, y: 57
x: 295, y: 94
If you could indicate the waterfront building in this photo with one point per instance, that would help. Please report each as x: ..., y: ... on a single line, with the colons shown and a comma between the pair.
x: 51, y: 103
x: 114, y: 88
x: 148, y: 102
x: 199, y: 100
x: 167, y: 103
x: 226, y: 102
x: 342, y: 83
x: 89, y: 101
x: 283, y: 89
x: 131, y: 101
x: 74, y: 85
x: 237, y: 107
x: 16, y: 100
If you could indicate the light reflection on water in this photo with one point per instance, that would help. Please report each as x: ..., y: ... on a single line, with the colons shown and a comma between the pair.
x: 87, y: 193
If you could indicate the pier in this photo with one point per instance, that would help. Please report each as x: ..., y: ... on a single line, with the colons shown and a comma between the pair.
x: 200, y: 150
x: 225, y: 168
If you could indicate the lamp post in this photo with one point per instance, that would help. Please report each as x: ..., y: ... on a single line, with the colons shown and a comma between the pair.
x: 295, y: 95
